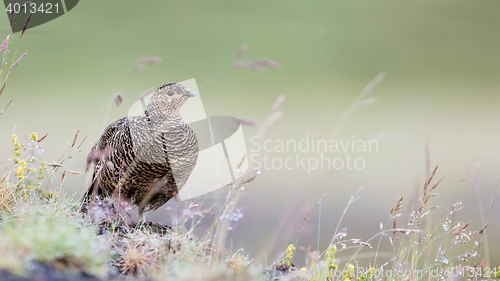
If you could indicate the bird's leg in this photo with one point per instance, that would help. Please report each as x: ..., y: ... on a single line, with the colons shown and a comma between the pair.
x: 141, y: 216
x: 156, y: 186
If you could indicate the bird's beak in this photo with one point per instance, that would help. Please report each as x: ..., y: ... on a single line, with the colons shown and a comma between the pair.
x: 189, y: 95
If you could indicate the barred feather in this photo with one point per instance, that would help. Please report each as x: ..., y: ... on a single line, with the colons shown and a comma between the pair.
x: 148, y: 157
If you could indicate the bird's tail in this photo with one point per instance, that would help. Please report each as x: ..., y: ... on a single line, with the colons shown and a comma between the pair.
x: 93, y: 189
x: 91, y: 193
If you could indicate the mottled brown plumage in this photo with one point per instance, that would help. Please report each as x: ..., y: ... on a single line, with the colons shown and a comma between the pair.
x: 147, y: 158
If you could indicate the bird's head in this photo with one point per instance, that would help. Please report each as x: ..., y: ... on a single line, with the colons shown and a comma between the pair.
x: 169, y: 98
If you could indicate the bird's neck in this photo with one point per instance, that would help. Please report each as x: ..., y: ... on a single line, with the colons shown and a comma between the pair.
x: 164, y: 118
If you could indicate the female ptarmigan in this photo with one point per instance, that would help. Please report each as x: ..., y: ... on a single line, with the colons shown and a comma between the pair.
x: 147, y: 158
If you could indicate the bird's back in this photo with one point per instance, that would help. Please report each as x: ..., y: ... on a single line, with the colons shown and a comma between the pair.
x: 145, y: 159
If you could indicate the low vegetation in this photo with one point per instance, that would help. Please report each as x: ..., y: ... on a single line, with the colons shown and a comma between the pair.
x: 43, y: 232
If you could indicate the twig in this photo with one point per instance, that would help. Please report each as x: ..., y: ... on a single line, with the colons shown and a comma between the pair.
x: 6, y: 107
x: 319, y: 219
x: 353, y: 198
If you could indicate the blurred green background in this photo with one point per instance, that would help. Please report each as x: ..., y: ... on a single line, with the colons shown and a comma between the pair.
x: 442, y: 64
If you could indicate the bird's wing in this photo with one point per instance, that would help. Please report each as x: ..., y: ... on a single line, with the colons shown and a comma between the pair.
x: 100, y: 146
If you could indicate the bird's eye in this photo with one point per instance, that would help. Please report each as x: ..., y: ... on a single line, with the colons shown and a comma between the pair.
x: 170, y: 93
